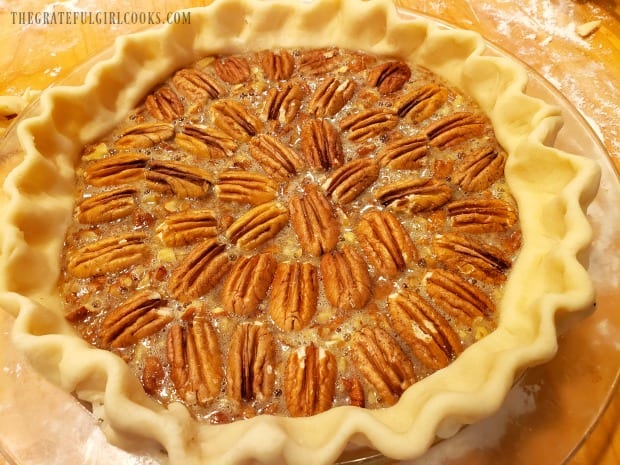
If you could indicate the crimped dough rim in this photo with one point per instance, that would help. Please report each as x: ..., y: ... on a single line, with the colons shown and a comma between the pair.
x: 552, y: 189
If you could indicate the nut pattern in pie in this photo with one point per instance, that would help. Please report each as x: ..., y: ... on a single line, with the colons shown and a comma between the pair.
x: 286, y: 231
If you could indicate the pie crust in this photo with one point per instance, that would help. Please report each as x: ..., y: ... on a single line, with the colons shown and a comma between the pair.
x: 552, y: 190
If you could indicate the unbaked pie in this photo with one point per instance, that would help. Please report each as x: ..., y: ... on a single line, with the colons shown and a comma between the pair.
x: 273, y: 217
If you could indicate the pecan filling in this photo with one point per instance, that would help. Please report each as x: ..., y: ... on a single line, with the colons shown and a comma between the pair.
x: 287, y: 231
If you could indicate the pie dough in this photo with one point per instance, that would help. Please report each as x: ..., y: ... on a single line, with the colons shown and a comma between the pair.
x: 552, y: 190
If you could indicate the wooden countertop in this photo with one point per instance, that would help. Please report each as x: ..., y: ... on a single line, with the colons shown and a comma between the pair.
x: 573, y: 44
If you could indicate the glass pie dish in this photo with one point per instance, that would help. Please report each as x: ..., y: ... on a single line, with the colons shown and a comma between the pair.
x: 523, y: 393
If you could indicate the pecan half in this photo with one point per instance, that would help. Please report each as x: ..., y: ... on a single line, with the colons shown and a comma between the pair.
x: 138, y: 317
x: 187, y: 227
x: 164, y: 104
x: 275, y: 157
x: 179, y: 178
x: 233, y: 70
x: 196, y: 368
x: 124, y: 168
x: 386, y: 243
x: 457, y: 297
x: 355, y: 391
x: 107, y: 206
x: 414, y: 195
x: 108, y: 255
x: 389, y: 77
x: 314, y: 222
x: 346, y: 279
x: 282, y: 103
x: 329, y: 98
x: 205, y: 141
x: 245, y: 187
x: 480, y: 169
x: 368, y: 123
x: 145, y: 135
x: 429, y: 335
x: 251, y: 367
x: 310, y: 381
x: 235, y: 119
x: 199, y: 271
x: 197, y: 85
x: 294, y: 295
x: 479, y: 216
x: 321, y: 145
x: 455, y: 129
x: 382, y: 362
x: 277, y: 66
x: 346, y: 183
x: 403, y: 154
x: 319, y: 61
x: 247, y: 284
x: 257, y: 225
x: 153, y: 375
x: 471, y: 257
x: 421, y: 103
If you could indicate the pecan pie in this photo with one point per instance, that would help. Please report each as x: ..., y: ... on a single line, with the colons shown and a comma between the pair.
x: 245, y: 255
x: 290, y: 210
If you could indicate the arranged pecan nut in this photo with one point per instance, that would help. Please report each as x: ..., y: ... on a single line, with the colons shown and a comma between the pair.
x: 422, y: 102
x: 197, y: 84
x: 314, y: 222
x: 429, y: 335
x: 107, y: 206
x: 457, y: 297
x: 195, y: 360
x: 153, y: 375
x: 180, y: 179
x: 321, y: 144
x: 275, y: 157
x: 245, y: 187
x: 472, y: 257
x: 277, y: 66
x: 164, y: 104
x: 235, y: 119
x: 389, y: 77
x: 404, y: 153
x: 257, y: 225
x: 123, y: 168
x: 346, y: 279
x: 414, y: 195
x: 480, y: 169
x: 329, y: 98
x: 294, y: 295
x: 137, y: 318
x: 251, y: 367
x: 355, y: 391
x: 319, y: 61
x: 247, y: 284
x: 482, y: 215
x: 386, y: 243
x: 455, y: 129
x: 205, y: 141
x: 282, y: 103
x: 348, y: 182
x: 199, y: 271
x: 233, y: 70
x: 382, y: 362
x: 108, y: 255
x: 369, y: 123
x: 188, y: 227
x: 310, y: 381
x: 145, y: 135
